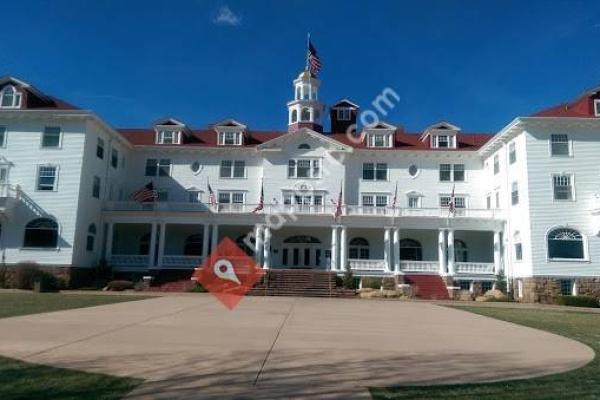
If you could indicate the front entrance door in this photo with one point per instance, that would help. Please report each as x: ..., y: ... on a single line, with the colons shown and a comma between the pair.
x: 302, y: 255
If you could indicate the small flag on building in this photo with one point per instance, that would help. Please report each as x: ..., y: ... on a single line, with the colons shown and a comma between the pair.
x: 211, y: 196
x: 313, y: 60
x: 261, y: 200
x: 146, y: 194
x: 452, y: 202
x: 338, y: 205
x: 395, y: 199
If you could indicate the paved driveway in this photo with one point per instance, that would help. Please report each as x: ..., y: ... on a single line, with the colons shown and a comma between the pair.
x: 271, y: 348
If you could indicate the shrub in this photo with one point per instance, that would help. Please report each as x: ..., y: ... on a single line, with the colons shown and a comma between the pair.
x: 26, y: 276
x: 371, y: 283
x: 348, y: 279
x: 119, y: 286
x: 501, y: 282
x: 139, y: 286
x: 389, y: 283
x: 578, y: 301
x: 197, y: 288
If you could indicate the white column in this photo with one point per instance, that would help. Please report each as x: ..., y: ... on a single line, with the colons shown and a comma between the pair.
x: 442, y: 251
x: 396, y: 250
x: 258, y: 243
x: 205, y: 238
x: 497, y: 252
x: 215, y: 237
x: 152, y: 251
x: 109, y: 242
x: 343, y: 249
x: 161, y: 244
x: 387, y: 257
x: 267, y: 248
x: 451, y: 252
x: 334, y: 248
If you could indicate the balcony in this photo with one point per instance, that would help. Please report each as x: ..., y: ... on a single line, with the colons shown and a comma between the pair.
x: 299, y: 209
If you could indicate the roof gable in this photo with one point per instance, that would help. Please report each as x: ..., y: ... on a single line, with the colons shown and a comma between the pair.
x: 301, y: 135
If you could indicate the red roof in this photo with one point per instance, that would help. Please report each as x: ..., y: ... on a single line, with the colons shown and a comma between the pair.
x: 33, y: 99
x: 582, y: 107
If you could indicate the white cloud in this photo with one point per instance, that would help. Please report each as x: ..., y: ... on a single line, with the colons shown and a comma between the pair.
x: 227, y: 17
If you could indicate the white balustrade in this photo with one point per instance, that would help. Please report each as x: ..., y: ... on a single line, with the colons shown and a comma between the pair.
x: 129, y: 261
x: 474, y: 268
x: 181, y: 261
x: 419, y: 266
x: 366, y: 265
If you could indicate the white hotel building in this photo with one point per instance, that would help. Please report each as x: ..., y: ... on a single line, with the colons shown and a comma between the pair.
x: 527, y: 196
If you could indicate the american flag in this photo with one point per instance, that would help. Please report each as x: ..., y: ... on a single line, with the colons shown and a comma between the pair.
x: 261, y: 200
x: 314, y: 62
x: 452, y: 203
x: 146, y: 194
x: 395, y: 196
x: 338, y: 205
x: 211, y: 196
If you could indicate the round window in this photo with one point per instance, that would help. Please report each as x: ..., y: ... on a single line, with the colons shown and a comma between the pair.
x: 413, y: 170
x: 195, y: 167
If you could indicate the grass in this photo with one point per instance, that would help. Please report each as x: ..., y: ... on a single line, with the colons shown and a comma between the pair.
x: 24, y: 381
x: 583, y: 383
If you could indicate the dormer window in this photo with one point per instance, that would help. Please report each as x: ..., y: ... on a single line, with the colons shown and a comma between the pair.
x: 597, y: 107
x: 344, y: 114
x: 230, y: 138
x: 379, y: 140
x: 443, y: 142
x: 168, y: 137
x: 10, y: 98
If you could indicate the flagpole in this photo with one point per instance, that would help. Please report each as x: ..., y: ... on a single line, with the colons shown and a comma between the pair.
x: 306, y: 53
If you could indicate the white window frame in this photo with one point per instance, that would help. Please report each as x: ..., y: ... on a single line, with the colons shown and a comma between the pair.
x: 451, y: 141
x: 344, y: 114
x: 223, y: 138
x: 60, y: 139
x: 386, y: 140
x: 445, y: 204
x: 452, y: 171
x: 315, y: 168
x: 161, y: 134
x: 512, y: 153
x: 375, y: 170
x: 4, y: 130
x: 56, y: 175
x: 232, y: 170
x: 586, y: 250
x: 290, y: 198
x: 231, y: 194
x: 158, y: 164
x: 571, y: 178
x: 17, y: 97
x: 100, y: 145
x: 414, y: 197
x: 569, y: 144
x: 94, y: 186
x: 513, y: 185
x: 375, y: 197
x: 194, y: 195
x: 597, y: 107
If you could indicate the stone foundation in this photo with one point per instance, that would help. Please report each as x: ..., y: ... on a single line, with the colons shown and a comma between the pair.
x: 73, y: 277
x: 543, y: 289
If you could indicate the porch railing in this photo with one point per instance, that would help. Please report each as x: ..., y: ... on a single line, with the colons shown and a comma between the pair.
x: 419, y: 266
x: 181, y: 261
x: 474, y: 268
x: 129, y: 261
x: 366, y: 265
x: 157, y: 206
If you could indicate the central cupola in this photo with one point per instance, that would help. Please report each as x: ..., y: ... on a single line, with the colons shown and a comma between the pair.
x: 305, y: 111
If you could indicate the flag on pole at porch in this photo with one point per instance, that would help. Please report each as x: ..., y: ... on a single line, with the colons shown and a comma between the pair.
x: 452, y: 202
x: 313, y: 62
x: 146, y: 194
x: 211, y: 196
x: 395, y: 196
x: 261, y: 200
x: 338, y: 206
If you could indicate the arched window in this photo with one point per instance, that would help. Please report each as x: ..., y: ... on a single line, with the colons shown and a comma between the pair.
x: 305, y: 114
x: 91, y: 238
x: 461, y: 252
x: 411, y: 250
x: 304, y: 146
x: 298, y: 95
x: 41, y: 233
x: 10, y: 97
x: 359, y: 249
x: 302, y: 239
x: 144, y: 247
x: 565, y: 243
x: 193, y: 245
x: 294, y: 116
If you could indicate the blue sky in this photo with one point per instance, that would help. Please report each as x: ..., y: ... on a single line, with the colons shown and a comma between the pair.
x: 475, y: 63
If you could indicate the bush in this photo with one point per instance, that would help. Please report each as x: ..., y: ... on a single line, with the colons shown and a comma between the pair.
x: 139, y: 286
x: 348, y: 279
x: 119, y: 286
x: 197, y: 288
x: 578, y: 301
x: 501, y: 283
x: 26, y: 277
x: 389, y: 283
x: 371, y: 283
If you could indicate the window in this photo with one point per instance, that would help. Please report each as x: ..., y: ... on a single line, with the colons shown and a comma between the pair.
x: 294, y: 117
x: 411, y: 250
x: 512, y: 153
x: 230, y: 138
x: 565, y: 243
x: 96, y: 187
x: 445, y: 172
x: 10, y: 98
x: 304, y: 146
x: 156, y: 167
x: 459, y: 172
x: 486, y: 286
x: 559, y: 145
x: 194, y: 196
x: 452, y: 172
x: 375, y: 171
x: 488, y: 201
x: 414, y: 201
x: 379, y: 140
x: 231, y: 197
x: 566, y: 287
x: 496, y: 164
x: 100, y: 149
x: 232, y: 169
x: 377, y: 200
x: 41, y: 233
x: 195, y: 167
x: 518, y: 251
x: 460, y: 201
x: 464, y: 285
x: 597, y: 107
x: 193, y: 245
x: 47, y: 177
x: 359, y: 249
x: 305, y: 114
x: 168, y: 137
x: 443, y: 141
x: 562, y: 187
x: 413, y: 170
x: 289, y: 198
x: 114, y: 158
x: 2, y: 136
x: 51, y: 137
x: 91, y: 238
x: 304, y: 168
x: 344, y: 114
x: 514, y: 193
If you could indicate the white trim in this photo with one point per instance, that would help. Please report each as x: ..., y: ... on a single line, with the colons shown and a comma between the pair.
x: 60, y: 138
x: 56, y: 175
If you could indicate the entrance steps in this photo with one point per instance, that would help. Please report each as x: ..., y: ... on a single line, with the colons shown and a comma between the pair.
x: 299, y: 282
x: 430, y: 287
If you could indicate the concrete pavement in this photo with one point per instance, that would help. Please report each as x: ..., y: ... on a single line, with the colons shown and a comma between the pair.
x: 191, y: 347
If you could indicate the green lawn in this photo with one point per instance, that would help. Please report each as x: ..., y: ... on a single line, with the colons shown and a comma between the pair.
x: 583, y: 383
x: 24, y: 381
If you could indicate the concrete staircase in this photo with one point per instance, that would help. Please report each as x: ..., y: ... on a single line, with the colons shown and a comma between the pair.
x: 299, y: 282
x: 428, y: 286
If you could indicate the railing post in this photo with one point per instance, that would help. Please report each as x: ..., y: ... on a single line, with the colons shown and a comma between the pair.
x: 161, y: 243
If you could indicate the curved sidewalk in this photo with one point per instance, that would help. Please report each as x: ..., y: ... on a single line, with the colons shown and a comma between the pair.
x: 191, y: 347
